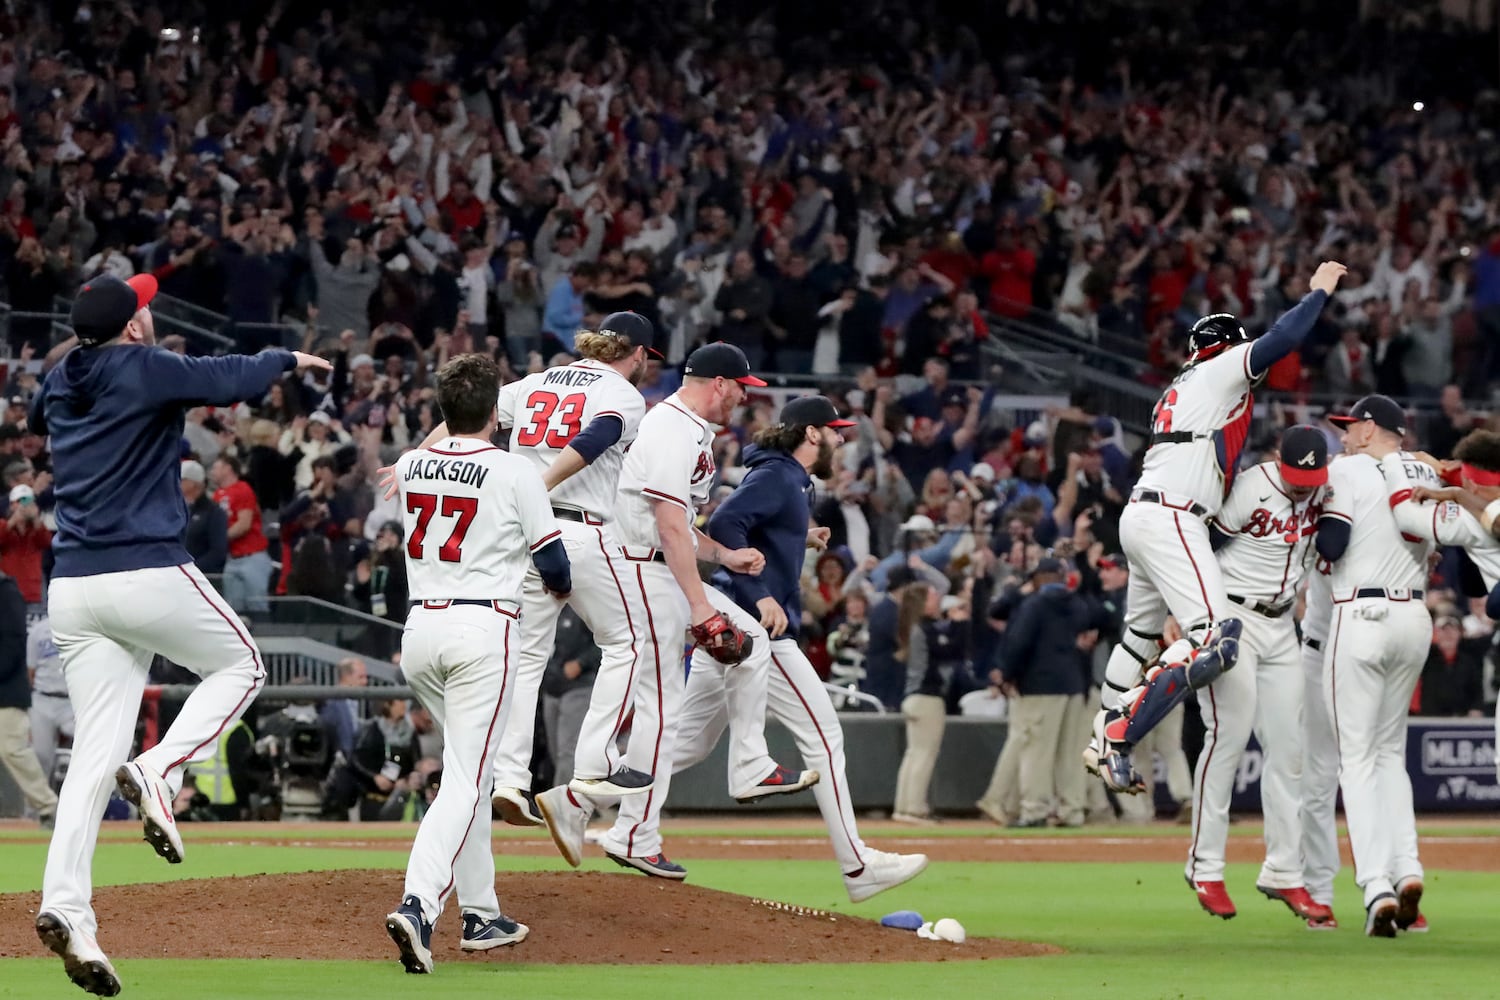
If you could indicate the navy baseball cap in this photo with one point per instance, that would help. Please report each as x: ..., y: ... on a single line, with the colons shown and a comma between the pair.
x: 105, y: 304
x: 1383, y: 410
x: 633, y: 327
x: 1050, y: 564
x: 812, y: 411
x: 720, y: 360
x: 1304, y: 456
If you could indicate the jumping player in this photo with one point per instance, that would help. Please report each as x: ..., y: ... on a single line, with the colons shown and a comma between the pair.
x: 124, y: 589
x: 1198, y: 430
x: 1377, y: 645
x: 665, y: 478
x: 476, y: 519
x: 1266, y: 527
x: 771, y: 512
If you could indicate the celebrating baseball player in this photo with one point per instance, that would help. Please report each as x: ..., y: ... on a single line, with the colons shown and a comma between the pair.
x: 666, y: 476
x: 1267, y: 526
x: 771, y: 512
x: 1377, y: 646
x: 124, y: 589
x: 1320, y: 752
x: 476, y: 519
x: 1199, y: 427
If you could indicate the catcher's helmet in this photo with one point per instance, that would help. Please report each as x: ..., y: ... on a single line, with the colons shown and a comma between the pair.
x: 1213, y: 333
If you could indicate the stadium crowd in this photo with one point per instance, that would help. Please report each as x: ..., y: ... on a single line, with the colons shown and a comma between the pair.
x: 875, y: 200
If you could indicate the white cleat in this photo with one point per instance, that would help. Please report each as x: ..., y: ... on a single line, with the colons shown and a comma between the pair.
x: 883, y: 871
x: 83, y: 960
x: 148, y: 792
x: 565, y: 821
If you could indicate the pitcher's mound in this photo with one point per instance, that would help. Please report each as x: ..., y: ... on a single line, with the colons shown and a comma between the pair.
x: 575, y: 917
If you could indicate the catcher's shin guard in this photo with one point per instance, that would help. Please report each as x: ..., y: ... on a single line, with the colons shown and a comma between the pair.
x: 1166, y: 687
x: 1127, y: 661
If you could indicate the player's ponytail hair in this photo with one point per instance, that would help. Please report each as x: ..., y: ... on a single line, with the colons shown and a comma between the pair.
x: 1480, y: 449
x: 606, y: 348
x: 781, y: 437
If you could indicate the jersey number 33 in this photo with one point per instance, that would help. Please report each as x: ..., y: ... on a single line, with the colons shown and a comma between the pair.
x: 550, y: 419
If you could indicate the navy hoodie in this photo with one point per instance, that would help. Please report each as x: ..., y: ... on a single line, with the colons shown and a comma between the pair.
x: 115, y: 416
x: 770, y: 511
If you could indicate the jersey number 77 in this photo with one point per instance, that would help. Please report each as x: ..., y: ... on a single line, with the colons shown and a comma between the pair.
x: 551, y: 420
x: 425, y: 505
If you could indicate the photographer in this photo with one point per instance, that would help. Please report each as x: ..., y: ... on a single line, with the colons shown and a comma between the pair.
x: 384, y: 753
x: 23, y: 541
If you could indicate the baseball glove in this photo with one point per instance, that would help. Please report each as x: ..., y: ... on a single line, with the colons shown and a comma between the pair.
x: 718, y: 637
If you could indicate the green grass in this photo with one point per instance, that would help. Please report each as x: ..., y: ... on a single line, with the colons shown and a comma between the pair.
x: 1132, y: 931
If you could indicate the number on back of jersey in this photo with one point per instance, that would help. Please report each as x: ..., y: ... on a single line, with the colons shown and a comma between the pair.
x: 550, y: 419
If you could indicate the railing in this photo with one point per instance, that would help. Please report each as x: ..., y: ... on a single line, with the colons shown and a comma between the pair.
x: 59, y: 328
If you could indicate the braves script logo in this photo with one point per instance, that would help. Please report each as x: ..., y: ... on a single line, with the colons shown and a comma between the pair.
x: 704, y: 468
x: 1262, y: 524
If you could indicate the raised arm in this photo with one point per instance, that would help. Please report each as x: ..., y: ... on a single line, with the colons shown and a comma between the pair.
x: 1292, y: 328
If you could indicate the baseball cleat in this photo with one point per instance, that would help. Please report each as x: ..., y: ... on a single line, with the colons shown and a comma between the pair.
x: 883, y: 871
x: 412, y: 934
x: 84, y: 963
x: 625, y: 781
x: 516, y: 807
x: 1419, y: 926
x: 1380, y: 916
x: 1408, y: 903
x: 1214, y: 898
x: 655, y: 865
x: 1328, y: 924
x: 566, y: 820
x: 1298, y: 901
x: 1108, y: 761
x: 782, y: 781
x: 482, y: 935
x: 148, y: 792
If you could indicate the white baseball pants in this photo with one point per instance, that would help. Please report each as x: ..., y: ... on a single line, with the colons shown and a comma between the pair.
x: 1172, y: 571
x: 612, y: 611
x: 1320, y: 779
x: 1264, y: 693
x: 460, y: 662
x: 1375, y: 656
x: 107, y: 628
x: 658, y: 707
x: 795, y: 697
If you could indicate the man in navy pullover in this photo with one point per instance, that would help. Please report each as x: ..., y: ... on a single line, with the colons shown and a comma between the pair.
x: 124, y: 587
x: 771, y: 510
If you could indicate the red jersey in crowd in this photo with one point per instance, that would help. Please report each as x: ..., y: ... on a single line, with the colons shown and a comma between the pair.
x: 21, y: 552
x: 1010, y: 273
x: 234, y: 499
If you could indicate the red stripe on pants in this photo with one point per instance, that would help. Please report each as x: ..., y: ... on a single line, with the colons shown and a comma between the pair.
x: 479, y: 774
x: 661, y: 723
x: 838, y: 796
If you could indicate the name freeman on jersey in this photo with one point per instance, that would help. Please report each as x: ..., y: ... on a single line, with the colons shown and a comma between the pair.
x: 450, y: 470
x: 576, y: 378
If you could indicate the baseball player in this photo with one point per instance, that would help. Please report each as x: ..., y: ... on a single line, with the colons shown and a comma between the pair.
x: 1377, y: 644
x: 1199, y: 427
x: 51, y: 712
x: 771, y: 511
x: 476, y: 520
x: 1266, y: 528
x: 666, y: 476
x: 1320, y: 751
x: 124, y: 589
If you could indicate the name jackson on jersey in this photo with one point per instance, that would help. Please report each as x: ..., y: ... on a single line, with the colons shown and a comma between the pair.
x: 448, y: 469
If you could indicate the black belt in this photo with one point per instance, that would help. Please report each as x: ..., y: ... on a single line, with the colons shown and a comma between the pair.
x: 572, y: 514
x: 1173, y: 437
x: 436, y: 604
x: 1151, y: 496
x: 1364, y: 592
x: 1260, y: 608
x: 1316, y: 645
x: 52, y: 694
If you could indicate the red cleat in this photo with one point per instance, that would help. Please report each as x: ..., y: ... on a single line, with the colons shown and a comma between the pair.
x: 1298, y: 901
x: 1408, y: 904
x: 1330, y: 924
x: 1418, y: 926
x: 1214, y: 898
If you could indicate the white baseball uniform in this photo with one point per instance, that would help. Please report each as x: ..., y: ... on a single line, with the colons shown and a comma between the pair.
x: 545, y: 412
x: 673, y: 463
x: 1378, y: 642
x: 1263, y: 566
x: 51, y: 711
x: 1320, y: 750
x: 1199, y: 427
x: 473, y: 515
